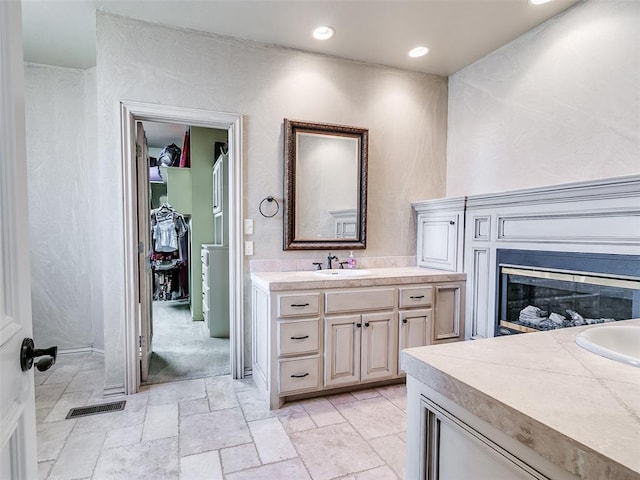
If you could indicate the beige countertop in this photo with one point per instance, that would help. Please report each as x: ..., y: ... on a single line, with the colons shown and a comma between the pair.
x: 575, y: 408
x: 305, y: 280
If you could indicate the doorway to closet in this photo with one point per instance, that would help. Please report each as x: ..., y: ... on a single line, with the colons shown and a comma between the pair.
x: 189, y: 252
x: 138, y: 284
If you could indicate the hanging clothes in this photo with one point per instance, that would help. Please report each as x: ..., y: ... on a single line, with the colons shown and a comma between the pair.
x: 169, y: 257
x: 167, y: 226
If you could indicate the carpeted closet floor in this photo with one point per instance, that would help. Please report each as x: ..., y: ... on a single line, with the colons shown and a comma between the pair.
x: 182, y: 348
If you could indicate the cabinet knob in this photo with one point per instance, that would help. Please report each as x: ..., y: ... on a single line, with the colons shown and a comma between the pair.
x: 358, y: 325
x: 366, y: 324
x: 451, y: 222
x: 404, y: 320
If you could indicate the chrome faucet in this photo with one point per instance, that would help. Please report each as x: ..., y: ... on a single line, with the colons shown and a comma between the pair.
x: 329, y: 259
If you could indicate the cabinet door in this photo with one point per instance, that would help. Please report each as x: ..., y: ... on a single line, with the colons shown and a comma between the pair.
x: 379, y: 346
x: 448, y: 322
x: 438, y: 241
x: 218, y: 185
x: 414, y: 330
x: 342, y: 350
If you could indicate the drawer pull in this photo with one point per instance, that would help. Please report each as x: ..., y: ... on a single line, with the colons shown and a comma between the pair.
x: 300, y: 338
x: 416, y: 297
x: 300, y: 305
x: 299, y: 376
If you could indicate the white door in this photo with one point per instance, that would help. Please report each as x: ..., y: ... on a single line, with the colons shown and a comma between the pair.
x: 145, y: 277
x: 17, y: 400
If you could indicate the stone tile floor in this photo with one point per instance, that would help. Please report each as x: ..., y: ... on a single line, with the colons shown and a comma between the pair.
x: 213, y: 428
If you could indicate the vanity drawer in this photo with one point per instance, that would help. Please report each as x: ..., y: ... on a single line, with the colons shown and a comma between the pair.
x: 359, y: 300
x: 298, y: 336
x: 299, y: 374
x: 416, y: 297
x: 298, y: 304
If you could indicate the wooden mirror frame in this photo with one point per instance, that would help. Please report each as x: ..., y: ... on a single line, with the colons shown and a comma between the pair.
x: 291, y: 128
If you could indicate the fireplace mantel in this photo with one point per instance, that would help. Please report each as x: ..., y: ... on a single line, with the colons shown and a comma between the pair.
x: 599, y: 216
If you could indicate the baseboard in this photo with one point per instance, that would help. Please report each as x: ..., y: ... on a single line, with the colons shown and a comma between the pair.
x: 113, y: 391
x: 75, y: 350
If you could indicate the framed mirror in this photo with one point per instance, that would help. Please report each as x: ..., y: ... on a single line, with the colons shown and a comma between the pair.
x: 325, y: 186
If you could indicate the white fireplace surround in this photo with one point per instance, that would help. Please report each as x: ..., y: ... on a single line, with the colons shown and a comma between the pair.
x: 464, y: 233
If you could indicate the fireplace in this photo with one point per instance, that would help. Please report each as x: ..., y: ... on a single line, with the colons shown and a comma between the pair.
x: 540, y: 290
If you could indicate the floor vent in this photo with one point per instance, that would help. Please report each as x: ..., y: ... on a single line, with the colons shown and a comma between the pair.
x: 96, y: 409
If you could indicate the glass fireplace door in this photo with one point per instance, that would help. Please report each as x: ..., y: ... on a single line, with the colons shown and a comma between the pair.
x: 534, y: 299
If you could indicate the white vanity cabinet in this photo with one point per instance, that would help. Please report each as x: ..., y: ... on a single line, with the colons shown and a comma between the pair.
x: 361, y: 347
x: 287, y: 344
x: 313, y: 335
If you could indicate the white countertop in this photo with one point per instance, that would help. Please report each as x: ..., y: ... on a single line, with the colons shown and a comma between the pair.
x: 305, y: 280
x: 573, y: 407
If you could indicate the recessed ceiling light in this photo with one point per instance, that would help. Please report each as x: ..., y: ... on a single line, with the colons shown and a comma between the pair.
x: 538, y: 2
x: 323, y: 32
x: 418, y: 52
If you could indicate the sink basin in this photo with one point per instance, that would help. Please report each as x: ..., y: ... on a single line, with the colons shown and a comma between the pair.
x: 342, y: 273
x: 620, y: 343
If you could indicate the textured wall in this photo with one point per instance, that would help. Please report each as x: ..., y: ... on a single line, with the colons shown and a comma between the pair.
x: 405, y: 113
x: 61, y: 137
x: 559, y: 104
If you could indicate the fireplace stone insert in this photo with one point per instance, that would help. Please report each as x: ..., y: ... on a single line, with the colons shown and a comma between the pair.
x: 541, y: 290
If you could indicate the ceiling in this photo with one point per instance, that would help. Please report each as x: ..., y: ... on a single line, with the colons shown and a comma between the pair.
x: 458, y: 32
x: 159, y: 135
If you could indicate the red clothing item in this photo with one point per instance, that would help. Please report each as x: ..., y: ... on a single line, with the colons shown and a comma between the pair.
x: 185, y: 157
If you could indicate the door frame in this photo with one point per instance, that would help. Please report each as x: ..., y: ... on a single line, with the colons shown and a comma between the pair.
x: 130, y: 112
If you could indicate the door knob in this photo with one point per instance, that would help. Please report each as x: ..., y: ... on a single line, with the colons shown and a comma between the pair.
x: 28, y: 352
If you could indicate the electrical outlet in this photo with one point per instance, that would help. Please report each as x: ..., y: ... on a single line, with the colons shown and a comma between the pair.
x: 248, y: 226
x: 248, y: 247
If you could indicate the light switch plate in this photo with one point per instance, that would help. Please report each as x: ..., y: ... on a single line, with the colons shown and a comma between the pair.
x: 248, y: 247
x: 248, y: 226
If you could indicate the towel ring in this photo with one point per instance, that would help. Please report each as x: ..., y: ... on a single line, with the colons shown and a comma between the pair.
x: 269, y: 199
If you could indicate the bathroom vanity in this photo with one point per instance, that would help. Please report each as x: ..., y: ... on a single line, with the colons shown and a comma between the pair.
x: 318, y: 331
x: 535, y: 406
